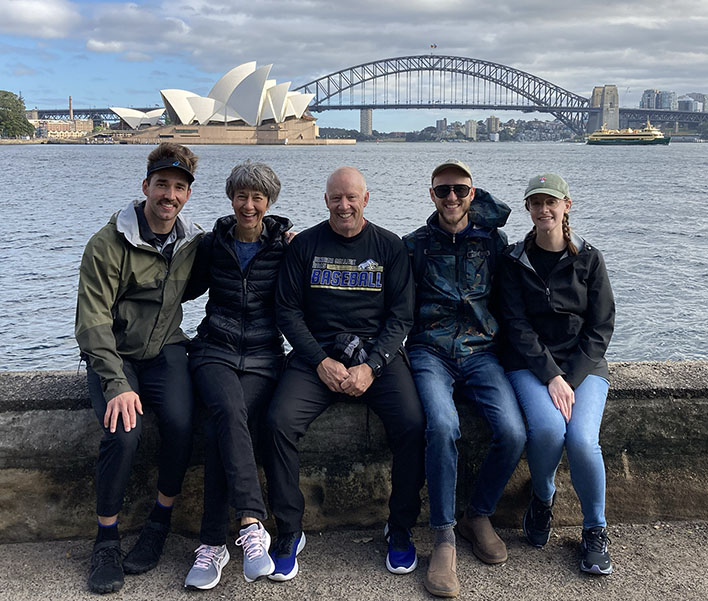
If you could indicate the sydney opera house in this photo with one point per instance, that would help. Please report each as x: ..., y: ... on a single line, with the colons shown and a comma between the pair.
x: 243, y: 107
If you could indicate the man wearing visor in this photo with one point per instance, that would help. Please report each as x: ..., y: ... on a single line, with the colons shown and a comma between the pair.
x: 452, y: 353
x: 133, y: 274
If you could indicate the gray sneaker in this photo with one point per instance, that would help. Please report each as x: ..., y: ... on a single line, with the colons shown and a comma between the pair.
x: 255, y: 541
x: 206, y: 571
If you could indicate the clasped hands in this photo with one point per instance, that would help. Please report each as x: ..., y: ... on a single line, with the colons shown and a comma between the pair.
x: 353, y: 381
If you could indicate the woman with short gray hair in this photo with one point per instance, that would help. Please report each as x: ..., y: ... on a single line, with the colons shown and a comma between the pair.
x: 235, y: 361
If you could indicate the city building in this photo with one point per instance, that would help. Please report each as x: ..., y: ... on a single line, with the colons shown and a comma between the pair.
x: 493, y: 124
x: 471, y: 129
x: 441, y: 126
x: 686, y: 103
x: 667, y: 101
x: 366, y: 122
x: 648, y: 100
x: 62, y: 129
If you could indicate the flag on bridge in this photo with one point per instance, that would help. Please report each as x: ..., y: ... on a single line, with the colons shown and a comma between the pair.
x: 433, y: 45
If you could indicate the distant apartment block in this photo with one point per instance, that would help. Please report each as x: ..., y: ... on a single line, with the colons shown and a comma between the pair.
x: 493, y: 124
x: 686, y: 103
x: 667, y: 101
x: 366, y: 122
x: 648, y: 100
x: 471, y: 129
x: 441, y: 126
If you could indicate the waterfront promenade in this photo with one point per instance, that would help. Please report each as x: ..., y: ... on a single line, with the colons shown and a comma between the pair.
x: 660, y: 561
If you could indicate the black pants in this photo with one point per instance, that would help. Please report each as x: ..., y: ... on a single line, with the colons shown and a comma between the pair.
x: 164, y: 385
x: 301, y: 396
x: 234, y: 400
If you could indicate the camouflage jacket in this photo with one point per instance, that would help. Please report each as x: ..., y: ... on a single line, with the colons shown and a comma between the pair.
x: 454, y: 274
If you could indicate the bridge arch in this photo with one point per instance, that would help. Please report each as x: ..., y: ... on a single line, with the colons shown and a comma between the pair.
x: 392, y: 79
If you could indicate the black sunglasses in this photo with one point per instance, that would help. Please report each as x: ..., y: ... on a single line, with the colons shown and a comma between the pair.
x: 443, y: 190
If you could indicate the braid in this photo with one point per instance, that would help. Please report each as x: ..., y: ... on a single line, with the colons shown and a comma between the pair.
x: 572, y: 249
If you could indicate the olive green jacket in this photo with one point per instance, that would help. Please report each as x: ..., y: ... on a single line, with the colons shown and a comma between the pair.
x: 129, y: 300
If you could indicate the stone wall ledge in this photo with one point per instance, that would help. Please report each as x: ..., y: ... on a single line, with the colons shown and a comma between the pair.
x: 654, y: 439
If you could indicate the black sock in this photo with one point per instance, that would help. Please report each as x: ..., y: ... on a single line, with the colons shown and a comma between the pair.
x: 161, y: 514
x: 106, y: 533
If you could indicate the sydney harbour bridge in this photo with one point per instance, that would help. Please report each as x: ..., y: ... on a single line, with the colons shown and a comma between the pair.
x: 453, y: 82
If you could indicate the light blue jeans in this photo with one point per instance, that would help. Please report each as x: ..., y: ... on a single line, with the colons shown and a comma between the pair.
x: 548, y: 434
x: 479, y: 379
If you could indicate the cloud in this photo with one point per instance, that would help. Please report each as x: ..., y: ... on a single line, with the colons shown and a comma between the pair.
x: 23, y: 70
x: 39, y: 18
x: 101, y: 46
x: 136, y: 57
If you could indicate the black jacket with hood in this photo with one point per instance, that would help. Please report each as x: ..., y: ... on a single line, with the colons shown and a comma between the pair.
x: 562, y: 326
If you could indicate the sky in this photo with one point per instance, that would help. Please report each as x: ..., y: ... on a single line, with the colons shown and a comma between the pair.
x: 117, y: 53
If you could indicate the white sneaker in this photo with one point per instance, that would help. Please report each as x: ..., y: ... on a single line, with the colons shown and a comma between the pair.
x: 255, y: 541
x: 206, y: 571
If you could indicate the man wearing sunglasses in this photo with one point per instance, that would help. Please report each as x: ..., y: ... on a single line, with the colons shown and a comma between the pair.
x: 452, y: 351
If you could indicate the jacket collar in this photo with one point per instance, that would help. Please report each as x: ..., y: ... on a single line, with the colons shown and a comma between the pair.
x: 127, y: 224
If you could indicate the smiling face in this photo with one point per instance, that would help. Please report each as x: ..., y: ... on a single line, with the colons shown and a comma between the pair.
x: 346, y: 198
x: 249, y: 207
x: 166, y: 192
x: 452, y: 210
x: 547, y: 213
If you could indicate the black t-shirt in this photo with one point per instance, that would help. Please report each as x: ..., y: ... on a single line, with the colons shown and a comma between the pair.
x: 543, y: 261
x: 330, y: 285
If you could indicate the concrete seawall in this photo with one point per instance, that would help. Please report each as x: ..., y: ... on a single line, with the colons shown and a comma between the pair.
x: 654, y: 439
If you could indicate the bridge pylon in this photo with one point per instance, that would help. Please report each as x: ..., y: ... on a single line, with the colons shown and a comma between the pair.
x: 605, y: 99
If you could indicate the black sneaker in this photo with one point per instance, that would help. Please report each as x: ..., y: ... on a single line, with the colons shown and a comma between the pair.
x: 537, y: 521
x: 106, y: 575
x: 147, y: 549
x: 596, y: 556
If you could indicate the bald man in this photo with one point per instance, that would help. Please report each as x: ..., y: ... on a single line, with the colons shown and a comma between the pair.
x: 345, y: 303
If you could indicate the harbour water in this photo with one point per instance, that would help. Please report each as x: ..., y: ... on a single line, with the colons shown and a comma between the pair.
x: 644, y: 207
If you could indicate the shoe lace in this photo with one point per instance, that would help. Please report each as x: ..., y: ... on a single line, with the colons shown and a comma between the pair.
x: 283, y: 545
x: 596, y: 540
x: 153, y: 538
x: 108, y: 555
x: 541, y: 515
x: 205, y: 556
x: 252, y: 543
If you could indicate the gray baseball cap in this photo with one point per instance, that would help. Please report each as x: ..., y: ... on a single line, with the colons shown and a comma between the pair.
x: 451, y: 164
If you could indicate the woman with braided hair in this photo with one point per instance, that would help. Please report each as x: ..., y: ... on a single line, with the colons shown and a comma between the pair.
x: 558, y: 315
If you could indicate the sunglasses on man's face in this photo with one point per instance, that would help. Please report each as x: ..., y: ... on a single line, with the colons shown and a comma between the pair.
x: 460, y: 190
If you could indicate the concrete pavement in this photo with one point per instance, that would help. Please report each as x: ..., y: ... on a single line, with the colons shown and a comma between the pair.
x: 661, y: 561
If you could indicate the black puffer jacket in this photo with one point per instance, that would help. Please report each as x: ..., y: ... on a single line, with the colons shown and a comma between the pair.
x: 561, y: 327
x: 239, y: 327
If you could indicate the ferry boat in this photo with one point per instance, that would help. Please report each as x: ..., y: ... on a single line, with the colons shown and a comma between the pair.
x: 648, y: 135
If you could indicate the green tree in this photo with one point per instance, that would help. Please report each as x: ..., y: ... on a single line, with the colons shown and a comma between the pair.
x: 13, y: 122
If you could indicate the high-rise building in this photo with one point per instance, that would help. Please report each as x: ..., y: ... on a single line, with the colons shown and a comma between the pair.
x: 366, y: 122
x: 648, y: 100
x: 666, y: 101
x: 686, y: 103
x: 441, y: 126
x: 493, y: 124
x: 471, y: 129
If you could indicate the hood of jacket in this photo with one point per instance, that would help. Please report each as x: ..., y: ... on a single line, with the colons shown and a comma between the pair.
x: 485, y: 211
x: 126, y: 222
x: 517, y: 251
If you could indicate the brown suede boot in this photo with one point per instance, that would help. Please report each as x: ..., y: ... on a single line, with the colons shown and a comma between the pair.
x: 441, y: 577
x: 486, y: 544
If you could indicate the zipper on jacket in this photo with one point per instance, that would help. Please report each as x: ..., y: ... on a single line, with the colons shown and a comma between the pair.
x: 244, y: 283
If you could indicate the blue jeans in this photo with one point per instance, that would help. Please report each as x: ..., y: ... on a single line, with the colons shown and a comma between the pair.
x: 480, y: 379
x: 548, y: 434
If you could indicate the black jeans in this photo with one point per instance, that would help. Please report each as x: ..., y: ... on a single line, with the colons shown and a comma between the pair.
x: 235, y: 401
x: 301, y: 396
x: 164, y: 385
